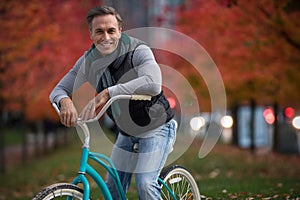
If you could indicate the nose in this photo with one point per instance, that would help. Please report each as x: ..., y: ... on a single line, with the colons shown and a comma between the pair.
x: 106, y: 36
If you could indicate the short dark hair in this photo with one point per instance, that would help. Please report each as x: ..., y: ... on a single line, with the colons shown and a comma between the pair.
x: 102, y: 10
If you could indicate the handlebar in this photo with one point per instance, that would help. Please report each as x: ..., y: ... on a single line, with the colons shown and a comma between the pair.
x: 107, y: 104
x: 82, y: 124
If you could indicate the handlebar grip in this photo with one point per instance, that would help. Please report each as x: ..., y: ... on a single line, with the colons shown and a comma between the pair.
x: 141, y: 97
x: 56, y: 108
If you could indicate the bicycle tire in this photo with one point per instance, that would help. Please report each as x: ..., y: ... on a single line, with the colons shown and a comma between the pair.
x: 181, y: 182
x: 56, y: 191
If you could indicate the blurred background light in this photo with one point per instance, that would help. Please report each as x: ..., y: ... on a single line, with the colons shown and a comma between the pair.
x: 226, y: 121
x: 197, y: 123
x: 296, y: 122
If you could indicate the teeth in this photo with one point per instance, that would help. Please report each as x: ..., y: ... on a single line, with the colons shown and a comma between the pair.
x: 106, y: 43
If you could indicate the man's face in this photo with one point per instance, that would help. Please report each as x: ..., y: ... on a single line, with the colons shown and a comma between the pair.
x: 105, y: 33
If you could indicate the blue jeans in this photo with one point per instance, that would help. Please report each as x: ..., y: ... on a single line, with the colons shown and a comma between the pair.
x: 145, y: 157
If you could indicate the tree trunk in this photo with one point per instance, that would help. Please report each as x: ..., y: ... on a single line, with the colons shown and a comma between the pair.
x: 276, y: 132
x: 252, y: 125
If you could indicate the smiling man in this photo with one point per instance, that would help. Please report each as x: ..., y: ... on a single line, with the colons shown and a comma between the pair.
x: 105, y: 32
x: 119, y: 64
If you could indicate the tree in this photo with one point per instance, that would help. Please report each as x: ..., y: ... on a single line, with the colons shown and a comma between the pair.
x: 40, y: 42
x: 254, y: 44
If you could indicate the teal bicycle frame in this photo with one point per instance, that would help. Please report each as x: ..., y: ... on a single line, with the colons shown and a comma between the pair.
x: 104, y: 161
x: 85, y: 168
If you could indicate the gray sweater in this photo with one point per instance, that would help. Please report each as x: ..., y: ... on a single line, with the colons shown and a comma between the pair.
x: 148, y: 82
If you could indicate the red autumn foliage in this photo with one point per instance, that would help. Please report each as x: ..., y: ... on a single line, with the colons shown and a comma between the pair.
x: 40, y: 42
x: 256, y: 46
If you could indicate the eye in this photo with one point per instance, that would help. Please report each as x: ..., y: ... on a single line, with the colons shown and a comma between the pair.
x: 99, y: 31
x: 111, y: 30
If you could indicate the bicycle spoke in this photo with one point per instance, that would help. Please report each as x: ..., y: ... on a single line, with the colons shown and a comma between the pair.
x: 183, y: 185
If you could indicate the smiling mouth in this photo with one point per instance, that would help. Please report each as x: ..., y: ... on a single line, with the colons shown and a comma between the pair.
x: 106, y: 44
x: 106, y: 47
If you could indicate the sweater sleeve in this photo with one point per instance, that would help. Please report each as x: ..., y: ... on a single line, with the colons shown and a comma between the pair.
x: 70, y: 82
x: 149, y: 78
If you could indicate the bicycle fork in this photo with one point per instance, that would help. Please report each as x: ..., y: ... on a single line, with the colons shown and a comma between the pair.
x: 84, y: 169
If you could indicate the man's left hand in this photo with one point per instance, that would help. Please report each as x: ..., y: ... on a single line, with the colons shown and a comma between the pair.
x: 91, y: 109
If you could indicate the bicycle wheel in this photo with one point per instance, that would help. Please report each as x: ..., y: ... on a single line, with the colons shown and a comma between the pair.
x: 181, y: 182
x: 60, y: 191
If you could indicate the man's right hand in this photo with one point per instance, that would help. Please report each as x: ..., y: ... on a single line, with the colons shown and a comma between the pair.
x: 68, y: 113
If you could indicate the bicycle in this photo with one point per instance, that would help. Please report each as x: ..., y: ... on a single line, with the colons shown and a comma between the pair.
x: 176, y: 182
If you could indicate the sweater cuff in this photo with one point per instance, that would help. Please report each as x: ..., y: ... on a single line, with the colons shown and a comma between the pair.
x: 112, y: 91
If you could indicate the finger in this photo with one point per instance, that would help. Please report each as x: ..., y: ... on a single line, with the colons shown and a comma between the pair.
x: 87, y: 114
x: 88, y: 111
x: 68, y: 116
x: 75, y: 117
x: 73, y: 120
x: 63, y: 119
x: 83, y: 114
x: 67, y: 119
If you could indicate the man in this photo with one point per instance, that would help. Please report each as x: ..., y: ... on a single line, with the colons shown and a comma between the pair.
x: 119, y: 64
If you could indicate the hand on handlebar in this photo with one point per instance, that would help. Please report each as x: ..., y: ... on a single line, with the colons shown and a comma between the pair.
x: 68, y: 113
x: 91, y: 109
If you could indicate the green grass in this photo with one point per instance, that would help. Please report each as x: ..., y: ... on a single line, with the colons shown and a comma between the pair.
x: 226, y: 173
x: 229, y: 172
x: 13, y: 136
